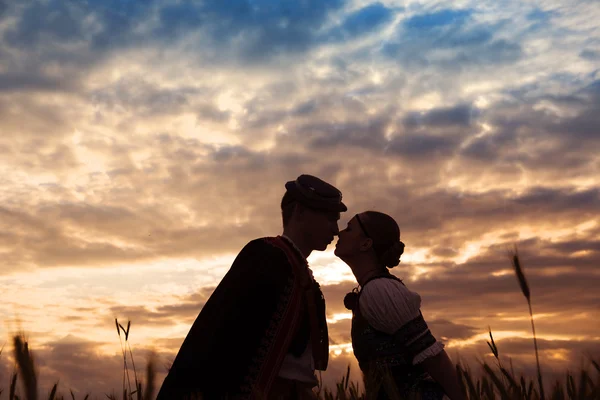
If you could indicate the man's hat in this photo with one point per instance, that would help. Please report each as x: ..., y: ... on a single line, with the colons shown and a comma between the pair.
x: 316, y: 193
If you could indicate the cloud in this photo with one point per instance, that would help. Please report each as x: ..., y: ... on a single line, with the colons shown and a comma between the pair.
x: 423, y: 145
x: 112, y: 25
x: 185, y: 309
x: 449, y: 38
x: 569, y: 138
x: 53, y: 21
x: 59, y: 242
x: 500, y: 294
x: 439, y: 134
x: 144, y: 98
x: 364, y: 21
x: 48, y: 48
x: 27, y: 117
x: 23, y: 82
x: 56, y: 45
x: 438, y: 19
x: 442, y: 328
x: 144, y: 143
x: 256, y: 31
x: 460, y: 115
x: 591, y: 55
x: 366, y: 135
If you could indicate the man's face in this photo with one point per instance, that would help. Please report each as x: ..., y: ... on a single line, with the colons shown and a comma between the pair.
x: 320, y: 227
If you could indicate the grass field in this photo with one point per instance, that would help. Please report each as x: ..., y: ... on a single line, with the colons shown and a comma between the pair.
x: 494, y: 382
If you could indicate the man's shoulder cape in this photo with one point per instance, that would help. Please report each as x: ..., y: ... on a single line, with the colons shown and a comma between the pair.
x: 236, y: 346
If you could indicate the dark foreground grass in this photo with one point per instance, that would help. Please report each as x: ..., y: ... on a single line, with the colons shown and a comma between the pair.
x: 494, y: 382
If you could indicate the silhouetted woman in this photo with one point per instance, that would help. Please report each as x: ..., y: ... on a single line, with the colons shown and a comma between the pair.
x: 392, y: 343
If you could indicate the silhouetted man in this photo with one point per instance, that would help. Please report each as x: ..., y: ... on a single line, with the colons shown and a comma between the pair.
x: 262, y: 333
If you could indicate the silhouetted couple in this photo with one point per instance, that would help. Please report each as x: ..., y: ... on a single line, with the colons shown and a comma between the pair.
x: 263, y: 332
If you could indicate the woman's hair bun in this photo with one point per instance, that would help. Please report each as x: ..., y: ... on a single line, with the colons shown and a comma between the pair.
x: 391, y: 257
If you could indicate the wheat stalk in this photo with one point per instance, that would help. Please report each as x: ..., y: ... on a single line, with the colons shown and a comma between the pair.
x: 150, y: 376
x: 26, y: 366
x: 13, y: 386
x: 125, y: 369
x: 527, y: 293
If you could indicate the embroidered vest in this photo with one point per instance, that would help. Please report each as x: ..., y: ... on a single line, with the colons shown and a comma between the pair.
x: 376, y: 350
x: 313, y: 323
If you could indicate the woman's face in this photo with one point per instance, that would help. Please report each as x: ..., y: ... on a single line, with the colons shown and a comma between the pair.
x: 350, y: 239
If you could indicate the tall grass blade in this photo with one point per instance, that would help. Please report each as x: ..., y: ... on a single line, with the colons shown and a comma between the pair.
x: 514, y: 386
x: 596, y: 365
x: 530, y: 390
x: 138, y: 391
x: 26, y: 367
x: 150, y: 376
x: 558, y: 392
x: 474, y: 393
x: 53, y: 391
x: 487, y: 389
x: 527, y: 293
x: 583, y: 380
x: 13, y: 386
x: 461, y: 380
x: 512, y: 370
x: 537, y: 358
x: 125, y: 369
x: 501, y: 389
x: 524, y: 388
x: 493, y: 346
x: 520, y: 275
x: 570, y: 386
x: 131, y: 356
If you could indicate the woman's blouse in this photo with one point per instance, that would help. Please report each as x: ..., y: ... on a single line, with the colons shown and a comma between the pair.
x: 387, y: 305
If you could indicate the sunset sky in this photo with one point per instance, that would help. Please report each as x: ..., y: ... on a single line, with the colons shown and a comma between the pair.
x: 143, y: 143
